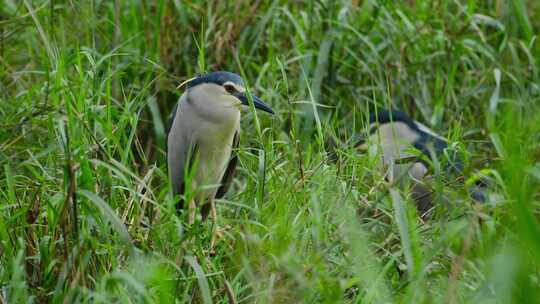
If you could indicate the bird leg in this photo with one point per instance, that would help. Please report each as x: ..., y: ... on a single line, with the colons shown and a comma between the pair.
x: 209, y: 209
x: 192, y: 209
x: 215, y: 231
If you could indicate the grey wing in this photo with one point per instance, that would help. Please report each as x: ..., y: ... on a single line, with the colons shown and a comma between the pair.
x: 180, y: 155
x: 229, y: 172
x: 171, y: 119
x: 179, y: 161
x: 176, y: 153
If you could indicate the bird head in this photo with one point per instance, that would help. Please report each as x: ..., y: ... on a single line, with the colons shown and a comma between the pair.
x: 223, y: 90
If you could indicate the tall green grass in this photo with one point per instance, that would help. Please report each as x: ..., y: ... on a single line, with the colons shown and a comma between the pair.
x: 86, y: 213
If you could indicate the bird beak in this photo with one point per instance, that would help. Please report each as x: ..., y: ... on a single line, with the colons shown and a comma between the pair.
x: 257, y: 102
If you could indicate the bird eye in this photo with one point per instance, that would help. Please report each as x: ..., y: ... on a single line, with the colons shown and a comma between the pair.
x: 229, y: 88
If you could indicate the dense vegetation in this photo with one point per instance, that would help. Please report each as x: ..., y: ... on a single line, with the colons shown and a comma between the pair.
x: 86, y: 213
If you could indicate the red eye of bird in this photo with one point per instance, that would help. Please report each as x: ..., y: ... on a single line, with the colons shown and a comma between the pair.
x: 229, y: 88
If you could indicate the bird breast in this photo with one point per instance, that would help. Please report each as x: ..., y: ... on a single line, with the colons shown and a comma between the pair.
x: 392, y: 141
x: 214, y: 143
x: 214, y: 156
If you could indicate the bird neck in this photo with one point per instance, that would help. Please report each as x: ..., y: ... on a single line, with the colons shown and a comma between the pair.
x: 209, y: 105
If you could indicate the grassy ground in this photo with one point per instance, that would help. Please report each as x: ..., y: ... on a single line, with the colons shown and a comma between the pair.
x: 86, y: 213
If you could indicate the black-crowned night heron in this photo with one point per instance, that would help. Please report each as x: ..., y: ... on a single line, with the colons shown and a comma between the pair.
x: 203, y: 133
x: 394, y: 136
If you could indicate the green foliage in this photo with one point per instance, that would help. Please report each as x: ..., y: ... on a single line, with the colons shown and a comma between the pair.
x: 86, y: 213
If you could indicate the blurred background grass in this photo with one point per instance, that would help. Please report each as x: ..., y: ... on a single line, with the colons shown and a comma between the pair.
x: 85, y: 208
